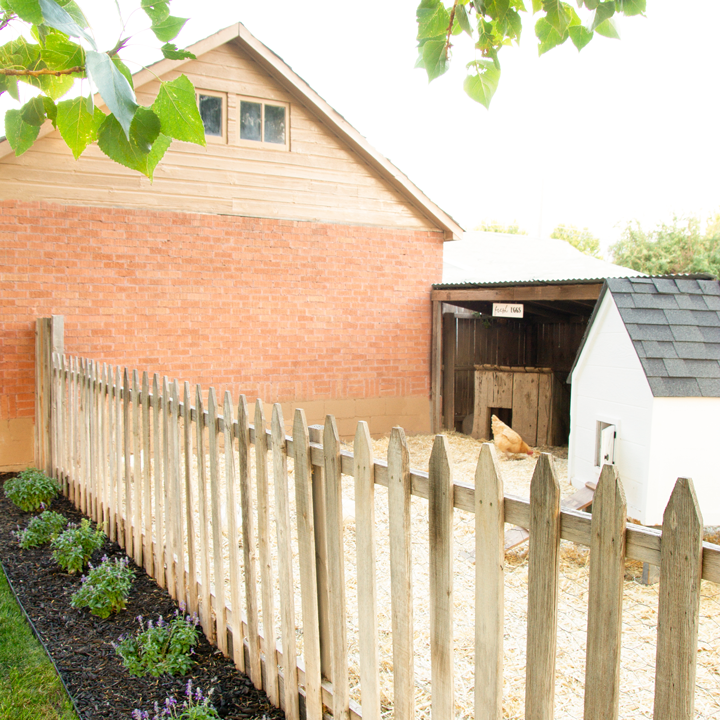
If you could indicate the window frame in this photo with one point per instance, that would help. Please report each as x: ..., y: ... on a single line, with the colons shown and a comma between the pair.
x: 263, y: 143
x: 221, y: 139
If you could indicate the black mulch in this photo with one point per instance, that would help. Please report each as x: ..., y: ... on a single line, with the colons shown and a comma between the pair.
x: 80, y: 643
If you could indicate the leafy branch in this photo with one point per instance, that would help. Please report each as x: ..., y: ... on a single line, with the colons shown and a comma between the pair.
x: 493, y: 24
x: 42, y: 71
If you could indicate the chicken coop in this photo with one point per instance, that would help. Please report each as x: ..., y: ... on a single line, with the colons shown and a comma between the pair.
x: 645, y: 392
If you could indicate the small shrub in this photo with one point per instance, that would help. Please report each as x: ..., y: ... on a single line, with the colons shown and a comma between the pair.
x: 73, y: 548
x: 31, y: 489
x: 195, y: 707
x: 42, y: 529
x: 105, y: 588
x: 161, y: 648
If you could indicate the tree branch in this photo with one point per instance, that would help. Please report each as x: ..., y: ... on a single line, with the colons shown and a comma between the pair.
x: 450, y: 27
x: 42, y: 71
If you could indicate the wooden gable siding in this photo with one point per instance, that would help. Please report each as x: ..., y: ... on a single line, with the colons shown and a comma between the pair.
x: 320, y: 178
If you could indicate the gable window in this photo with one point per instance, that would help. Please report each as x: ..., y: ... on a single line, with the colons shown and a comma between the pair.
x: 212, y: 111
x: 264, y: 122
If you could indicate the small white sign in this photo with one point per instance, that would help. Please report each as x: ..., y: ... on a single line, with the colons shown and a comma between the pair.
x: 508, y: 310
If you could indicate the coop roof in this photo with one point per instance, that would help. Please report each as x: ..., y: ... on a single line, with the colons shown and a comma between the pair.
x: 674, y: 325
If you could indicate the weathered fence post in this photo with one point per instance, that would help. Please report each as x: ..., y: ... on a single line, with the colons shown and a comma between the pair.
x: 49, y: 339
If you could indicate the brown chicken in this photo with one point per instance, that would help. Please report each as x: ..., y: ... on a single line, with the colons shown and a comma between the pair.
x: 506, y: 439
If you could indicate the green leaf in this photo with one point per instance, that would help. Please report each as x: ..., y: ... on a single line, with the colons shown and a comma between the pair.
x: 481, y: 84
x: 50, y: 109
x: 76, y: 124
x: 72, y: 9
x: 604, y: 11
x: 156, y: 10
x: 27, y: 10
x: 171, y: 52
x: 432, y: 19
x: 58, y: 18
x: 20, y: 134
x: 168, y: 28
x: 463, y: 19
x: 608, y: 29
x: 580, y: 36
x: 124, y: 69
x: 113, y: 142
x: 60, y: 53
x: 113, y: 87
x: 9, y: 84
x: 630, y: 7
x: 54, y: 86
x: 33, y: 111
x: 434, y: 58
x: 537, y: 6
x: 177, y: 109
x: 144, y: 129
x: 548, y: 36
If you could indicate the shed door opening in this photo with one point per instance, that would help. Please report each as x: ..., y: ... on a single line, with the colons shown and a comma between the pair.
x: 605, y: 444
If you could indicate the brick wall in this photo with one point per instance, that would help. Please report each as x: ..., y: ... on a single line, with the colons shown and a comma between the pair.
x: 277, y: 309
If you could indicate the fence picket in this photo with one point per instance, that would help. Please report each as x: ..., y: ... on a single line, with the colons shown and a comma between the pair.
x: 440, y: 510
x: 489, y: 585
x: 285, y: 573
x: 167, y: 490
x: 678, y: 604
x: 63, y: 410
x: 543, y: 579
x: 232, y: 528
x: 118, y: 457
x: 72, y: 432
x: 366, y: 568
x: 308, y: 576
x: 203, y: 540
x: 110, y: 470
x: 83, y: 459
x: 103, y: 452
x: 136, y: 517
x: 146, y: 477
x: 266, y: 572
x: 176, y: 513
x: 127, y: 453
x: 192, y: 597
x: 605, y: 591
x: 93, y: 444
x: 159, y: 513
x: 216, y: 526
x: 248, y: 542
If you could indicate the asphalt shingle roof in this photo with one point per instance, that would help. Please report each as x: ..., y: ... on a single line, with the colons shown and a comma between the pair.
x: 674, y: 323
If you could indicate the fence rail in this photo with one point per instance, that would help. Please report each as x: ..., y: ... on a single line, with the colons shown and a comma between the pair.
x: 132, y: 452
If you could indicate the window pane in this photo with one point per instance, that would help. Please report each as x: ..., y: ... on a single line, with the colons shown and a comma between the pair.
x: 250, y: 121
x: 275, y: 124
x: 211, y: 114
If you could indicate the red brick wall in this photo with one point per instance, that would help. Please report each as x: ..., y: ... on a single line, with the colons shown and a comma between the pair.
x: 271, y: 308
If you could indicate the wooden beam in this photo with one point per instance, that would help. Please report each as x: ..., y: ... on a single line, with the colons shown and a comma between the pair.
x: 448, y: 398
x: 435, y: 368
x: 521, y: 293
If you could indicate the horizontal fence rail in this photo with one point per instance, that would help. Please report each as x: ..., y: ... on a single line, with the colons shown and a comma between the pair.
x: 179, y: 487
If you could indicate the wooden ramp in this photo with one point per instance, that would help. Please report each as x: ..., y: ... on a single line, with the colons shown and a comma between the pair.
x: 579, y: 501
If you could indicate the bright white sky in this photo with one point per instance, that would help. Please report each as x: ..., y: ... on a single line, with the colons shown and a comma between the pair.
x: 624, y: 130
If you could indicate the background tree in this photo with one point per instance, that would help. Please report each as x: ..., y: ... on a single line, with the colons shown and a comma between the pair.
x: 492, y: 226
x: 492, y: 24
x: 52, y: 46
x: 680, y: 247
x: 583, y: 239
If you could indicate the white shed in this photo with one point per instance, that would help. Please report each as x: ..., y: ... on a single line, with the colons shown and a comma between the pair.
x: 645, y: 392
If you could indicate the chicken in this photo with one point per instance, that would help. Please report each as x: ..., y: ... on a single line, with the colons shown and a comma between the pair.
x: 506, y: 439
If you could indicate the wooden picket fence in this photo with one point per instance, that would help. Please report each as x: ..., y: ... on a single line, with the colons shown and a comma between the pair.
x: 127, y: 449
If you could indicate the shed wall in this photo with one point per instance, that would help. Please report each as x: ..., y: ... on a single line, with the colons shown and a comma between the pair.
x: 685, y: 444
x: 609, y: 385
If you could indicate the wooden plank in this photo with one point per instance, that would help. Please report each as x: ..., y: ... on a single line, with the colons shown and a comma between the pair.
x: 111, y: 478
x: 605, y: 591
x: 266, y: 571
x: 481, y: 412
x: 176, y: 500
x: 366, y: 572
x: 291, y: 696
x: 62, y: 414
x: 254, y: 668
x: 308, y: 577
x: 500, y: 392
x: 233, y: 535
x: 440, y: 510
x: 90, y: 440
x: 167, y: 489
x: 543, y: 580
x: 83, y: 434
x: 203, y: 538
x: 525, y: 402
x: 448, y: 396
x: 72, y: 430
x: 544, y: 409
x: 489, y: 585
x: 159, y: 493
x: 137, y: 472
x: 336, y: 570
x: 118, y: 471
x: 189, y: 531
x: 520, y: 293
x: 147, y: 478
x: 127, y: 453
x: 436, y: 368
x: 678, y: 604
x: 400, y: 530
x: 102, y: 445
x: 97, y: 444
x: 216, y: 526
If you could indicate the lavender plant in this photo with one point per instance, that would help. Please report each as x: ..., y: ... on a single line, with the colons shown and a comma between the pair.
x: 31, y: 489
x: 42, y: 529
x: 196, y: 706
x: 105, y: 588
x: 73, y: 548
x: 160, y: 648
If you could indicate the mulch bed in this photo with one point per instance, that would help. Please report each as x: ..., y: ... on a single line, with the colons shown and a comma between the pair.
x: 80, y: 643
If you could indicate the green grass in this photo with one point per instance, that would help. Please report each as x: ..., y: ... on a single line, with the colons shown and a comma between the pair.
x: 29, y: 686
